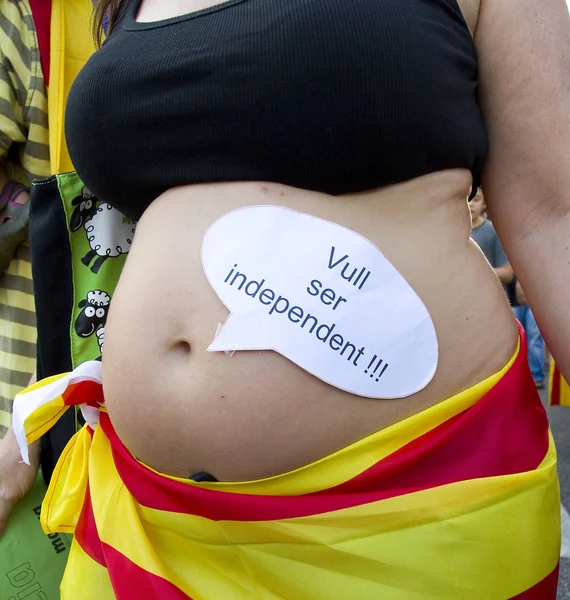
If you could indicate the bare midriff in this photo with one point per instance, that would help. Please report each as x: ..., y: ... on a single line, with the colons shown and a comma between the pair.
x: 182, y: 410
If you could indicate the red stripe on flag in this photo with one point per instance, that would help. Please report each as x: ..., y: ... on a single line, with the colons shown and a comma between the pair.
x: 555, y: 391
x: 86, y: 532
x: 545, y: 590
x: 129, y: 581
x: 505, y: 432
x: 83, y: 392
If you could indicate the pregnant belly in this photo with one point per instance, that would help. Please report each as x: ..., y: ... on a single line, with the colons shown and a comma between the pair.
x: 256, y: 413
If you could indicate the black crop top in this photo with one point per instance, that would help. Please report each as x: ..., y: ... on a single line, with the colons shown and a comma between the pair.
x: 336, y: 96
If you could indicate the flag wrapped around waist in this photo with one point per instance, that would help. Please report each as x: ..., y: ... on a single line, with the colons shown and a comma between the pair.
x: 458, y: 501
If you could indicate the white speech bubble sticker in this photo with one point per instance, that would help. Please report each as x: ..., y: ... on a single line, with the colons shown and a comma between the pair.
x: 321, y: 295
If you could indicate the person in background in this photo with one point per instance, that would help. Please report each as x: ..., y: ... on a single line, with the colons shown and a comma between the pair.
x: 24, y: 156
x: 483, y: 233
x: 535, y: 340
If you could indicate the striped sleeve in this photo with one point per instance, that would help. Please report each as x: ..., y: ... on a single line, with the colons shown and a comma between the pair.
x: 17, y: 332
x: 11, y: 113
x: 24, y: 126
x: 24, y: 151
x: 24, y: 138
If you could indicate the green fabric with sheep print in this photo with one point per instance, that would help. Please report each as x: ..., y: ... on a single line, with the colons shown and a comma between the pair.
x: 99, y: 237
x: 78, y: 247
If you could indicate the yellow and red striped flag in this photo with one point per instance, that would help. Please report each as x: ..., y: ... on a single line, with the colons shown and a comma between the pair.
x: 459, y: 501
x: 558, y: 389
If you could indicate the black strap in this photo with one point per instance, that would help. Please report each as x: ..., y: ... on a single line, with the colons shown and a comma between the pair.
x: 53, y: 291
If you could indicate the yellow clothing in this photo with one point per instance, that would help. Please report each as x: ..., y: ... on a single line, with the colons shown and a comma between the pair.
x: 71, y: 45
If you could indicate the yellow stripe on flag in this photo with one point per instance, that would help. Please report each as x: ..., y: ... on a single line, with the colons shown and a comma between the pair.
x: 434, y: 538
x: 68, y: 486
x: 35, y: 413
x: 94, y: 577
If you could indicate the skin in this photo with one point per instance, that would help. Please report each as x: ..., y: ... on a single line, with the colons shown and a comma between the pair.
x: 218, y: 414
x: 155, y: 10
x: 477, y: 206
x: 524, y: 62
x: 16, y: 478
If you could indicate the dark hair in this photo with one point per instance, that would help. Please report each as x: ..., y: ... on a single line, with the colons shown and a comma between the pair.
x: 104, y: 9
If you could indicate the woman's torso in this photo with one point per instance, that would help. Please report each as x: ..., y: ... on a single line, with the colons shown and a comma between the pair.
x: 182, y: 410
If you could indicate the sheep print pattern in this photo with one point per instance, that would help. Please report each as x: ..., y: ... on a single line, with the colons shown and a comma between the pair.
x: 458, y: 501
x: 100, y: 238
